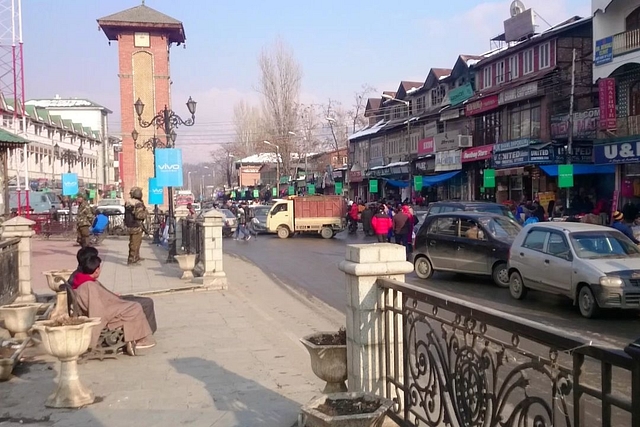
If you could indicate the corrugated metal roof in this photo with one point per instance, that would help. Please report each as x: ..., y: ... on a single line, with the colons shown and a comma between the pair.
x: 8, y: 138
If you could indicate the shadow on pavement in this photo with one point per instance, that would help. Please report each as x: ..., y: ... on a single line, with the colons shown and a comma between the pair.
x: 250, y: 403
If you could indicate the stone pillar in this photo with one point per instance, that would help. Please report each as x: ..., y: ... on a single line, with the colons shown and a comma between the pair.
x: 22, y: 228
x: 366, y: 339
x: 213, y: 276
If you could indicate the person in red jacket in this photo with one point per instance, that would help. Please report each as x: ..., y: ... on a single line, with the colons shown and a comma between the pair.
x: 354, y: 213
x: 381, y: 224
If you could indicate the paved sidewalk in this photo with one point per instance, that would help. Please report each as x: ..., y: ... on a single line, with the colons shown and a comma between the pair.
x: 224, y: 358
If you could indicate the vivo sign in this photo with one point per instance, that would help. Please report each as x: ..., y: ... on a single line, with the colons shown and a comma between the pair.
x: 169, y: 167
x: 622, y: 152
x: 156, y: 192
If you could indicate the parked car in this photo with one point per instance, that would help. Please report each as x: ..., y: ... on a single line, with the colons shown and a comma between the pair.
x: 260, y: 213
x: 465, y: 242
x: 110, y: 207
x: 468, y: 206
x: 230, y: 222
x: 596, y: 266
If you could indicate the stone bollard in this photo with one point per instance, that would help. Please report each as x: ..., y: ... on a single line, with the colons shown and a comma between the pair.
x: 363, y: 265
x: 213, y: 276
x: 22, y: 228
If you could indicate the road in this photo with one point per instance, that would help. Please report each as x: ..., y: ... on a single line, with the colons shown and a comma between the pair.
x: 310, y: 265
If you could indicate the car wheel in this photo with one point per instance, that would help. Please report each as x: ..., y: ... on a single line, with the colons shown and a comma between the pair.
x: 587, y: 303
x: 326, y: 233
x: 423, y: 268
x: 500, y: 275
x: 516, y: 286
x: 283, y: 232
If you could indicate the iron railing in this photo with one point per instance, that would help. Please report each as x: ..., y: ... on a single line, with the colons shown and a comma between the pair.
x: 448, y: 362
x: 626, y: 42
x: 192, y: 236
x: 9, y: 269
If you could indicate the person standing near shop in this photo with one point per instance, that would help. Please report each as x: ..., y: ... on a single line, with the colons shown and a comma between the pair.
x: 84, y: 220
x: 135, y: 213
x: 381, y: 224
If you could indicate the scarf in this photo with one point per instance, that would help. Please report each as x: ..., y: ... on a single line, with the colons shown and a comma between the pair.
x: 81, y: 278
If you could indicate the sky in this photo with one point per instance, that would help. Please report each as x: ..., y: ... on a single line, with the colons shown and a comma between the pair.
x: 340, y: 46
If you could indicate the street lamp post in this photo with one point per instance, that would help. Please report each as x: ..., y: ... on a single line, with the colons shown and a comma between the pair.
x: 167, y: 120
x: 67, y: 155
x: 277, y: 166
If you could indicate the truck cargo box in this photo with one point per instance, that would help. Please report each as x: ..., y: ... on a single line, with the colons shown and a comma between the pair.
x: 319, y: 207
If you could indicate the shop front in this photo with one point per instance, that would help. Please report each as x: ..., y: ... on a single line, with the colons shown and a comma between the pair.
x: 392, y: 181
x: 356, y: 188
x: 474, y: 161
x: 624, y: 156
x: 425, y: 166
x: 449, y: 166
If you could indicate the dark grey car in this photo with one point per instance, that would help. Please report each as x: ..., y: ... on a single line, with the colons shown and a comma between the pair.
x: 260, y: 214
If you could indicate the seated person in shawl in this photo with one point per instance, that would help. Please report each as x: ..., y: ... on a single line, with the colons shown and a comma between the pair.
x: 146, y: 303
x: 115, y: 312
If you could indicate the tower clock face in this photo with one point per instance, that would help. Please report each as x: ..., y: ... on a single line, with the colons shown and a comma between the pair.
x: 141, y: 40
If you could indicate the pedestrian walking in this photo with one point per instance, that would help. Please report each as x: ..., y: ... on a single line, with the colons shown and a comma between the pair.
x: 381, y: 224
x: 84, y: 220
x: 135, y: 213
x: 401, y: 228
x: 242, y: 223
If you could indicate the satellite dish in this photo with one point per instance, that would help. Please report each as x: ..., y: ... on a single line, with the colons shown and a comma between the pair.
x: 517, y: 7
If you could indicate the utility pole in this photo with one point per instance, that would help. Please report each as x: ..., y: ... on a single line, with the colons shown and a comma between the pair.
x: 571, y: 102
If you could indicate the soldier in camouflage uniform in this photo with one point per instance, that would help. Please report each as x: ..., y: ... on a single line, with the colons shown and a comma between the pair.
x: 84, y: 220
x: 135, y: 215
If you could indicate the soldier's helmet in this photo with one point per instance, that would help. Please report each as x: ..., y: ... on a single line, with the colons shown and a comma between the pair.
x: 136, y: 193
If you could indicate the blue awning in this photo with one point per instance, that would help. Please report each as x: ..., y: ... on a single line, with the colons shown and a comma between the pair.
x: 396, y: 183
x: 552, y: 170
x: 430, y: 180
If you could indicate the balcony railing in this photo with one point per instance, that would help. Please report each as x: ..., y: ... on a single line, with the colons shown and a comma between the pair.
x: 9, y: 266
x: 626, y: 42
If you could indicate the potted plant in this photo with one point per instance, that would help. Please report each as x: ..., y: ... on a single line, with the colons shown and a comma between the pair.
x: 55, y: 279
x: 328, y: 351
x: 346, y: 410
x: 186, y: 262
x: 10, y: 351
x: 18, y: 318
x: 66, y: 338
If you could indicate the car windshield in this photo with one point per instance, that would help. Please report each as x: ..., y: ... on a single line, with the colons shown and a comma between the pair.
x: 501, y: 227
x: 109, y: 202
x: 594, y: 245
x: 227, y: 213
x: 262, y: 210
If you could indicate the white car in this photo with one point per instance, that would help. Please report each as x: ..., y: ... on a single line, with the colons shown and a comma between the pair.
x: 111, y: 206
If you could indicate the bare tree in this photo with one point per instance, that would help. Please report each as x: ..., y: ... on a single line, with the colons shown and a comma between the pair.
x: 337, y: 119
x: 248, y: 124
x: 280, y: 81
x: 360, y: 104
x: 223, y: 162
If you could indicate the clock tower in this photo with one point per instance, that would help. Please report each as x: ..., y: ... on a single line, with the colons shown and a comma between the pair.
x: 144, y: 37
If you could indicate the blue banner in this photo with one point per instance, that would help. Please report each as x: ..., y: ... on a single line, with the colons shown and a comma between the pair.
x: 156, y: 193
x: 512, y: 158
x: 621, y: 152
x: 515, y: 144
x: 70, y: 184
x: 169, y: 167
x: 603, y: 53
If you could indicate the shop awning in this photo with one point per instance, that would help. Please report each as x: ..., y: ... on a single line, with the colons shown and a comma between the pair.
x: 578, y: 169
x: 436, y: 179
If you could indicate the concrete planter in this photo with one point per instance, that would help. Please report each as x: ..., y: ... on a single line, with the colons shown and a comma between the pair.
x: 55, y: 279
x: 8, y: 362
x: 187, y: 263
x: 315, y: 418
x: 328, y: 362
x: 67, y: 343
x: 18, y: 318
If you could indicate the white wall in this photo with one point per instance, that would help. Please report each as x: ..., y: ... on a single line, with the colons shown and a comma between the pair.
x: 610, y: 23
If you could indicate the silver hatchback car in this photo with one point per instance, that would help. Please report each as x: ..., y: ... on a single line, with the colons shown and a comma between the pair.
x: 597, y: 267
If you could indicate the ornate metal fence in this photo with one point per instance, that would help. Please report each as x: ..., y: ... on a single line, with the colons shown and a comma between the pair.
x: 455, y: 363
x: 192, y: 236
x: 9, y: 269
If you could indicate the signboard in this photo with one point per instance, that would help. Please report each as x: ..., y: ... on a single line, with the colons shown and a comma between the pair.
x: 69, y: 184
x: 156, y: 193
x: 417, y: 182
x: 512, y: 145
x: 448, y: 160
x: 338, y: 188
x: 355, y: 176
x: 291, y: 191
x: 621, y: 152
x: 544, y: 198
x: 489, y: 178
x: 426, y: 146
x: 585, y: 124
x: 603, y: 54
x: 256, y: 194
x: 113, y: 194
x: 614, y: 204
x: 607, y: 95
x: 311, y: 189
x: 477, y: 153
x: 92, y: 194
x: 520, y: 26
x: 543, y: 155
x: 373, y: 186
x: 565, y: 176
x: 580, y: 154
x: 517, y: 94
x: 168, y: 167
x: 511, y: 158
x: 446, y: 141
x: 274, y: 192
x: 482, y: 105
x: 233, y: 194
x: 460, y: 94
x: 451, y: 114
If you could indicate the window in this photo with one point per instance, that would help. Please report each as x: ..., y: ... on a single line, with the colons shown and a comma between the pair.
x: 420, y: 104
x: 535, y: 240
x: 282, y: 207
x: 438, y: 94
x: 487, y: 129
x: 527, y: 61
x: 545, y: 55
x: 557, y: 246
x: 488, y: 77
x: 514, y: 67
x: 470, y: 230
x: 444, y: 227
x: 500, y: 72
x: 633, y: 20
x: 524, y: 121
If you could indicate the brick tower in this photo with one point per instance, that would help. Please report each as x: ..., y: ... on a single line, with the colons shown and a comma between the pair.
x: 144, y: 38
